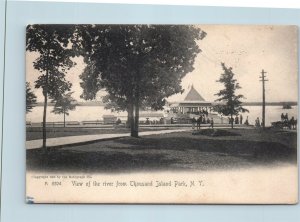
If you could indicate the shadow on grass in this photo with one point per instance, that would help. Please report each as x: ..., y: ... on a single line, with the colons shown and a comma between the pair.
x: 74, y: 161
x: 215, y: 132
x: 35, y: 133
x: 162, y: 153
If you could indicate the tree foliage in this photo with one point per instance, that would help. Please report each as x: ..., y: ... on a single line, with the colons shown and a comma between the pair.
x: 231, y: 102
x: 30, y: 98
x: 137, y: 64
x: 63, y: 104
x: 52, y: 44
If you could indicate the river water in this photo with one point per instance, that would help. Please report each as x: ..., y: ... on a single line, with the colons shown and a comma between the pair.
x: 84, y: 113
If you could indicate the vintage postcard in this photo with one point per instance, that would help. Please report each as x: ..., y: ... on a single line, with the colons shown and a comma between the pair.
x: 167, y: 114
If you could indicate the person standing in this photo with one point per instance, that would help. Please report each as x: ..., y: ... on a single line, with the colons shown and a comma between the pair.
x: 292, y: 123
x: 247, y: 121
x: 199, y: 120
x: 206, y: 112
x: 282, y: 117
x: 286, y: 117
x: 212, y: 123
x: 257, y: 122
x: 241, y: 119
x: 207, y: 120
x: 236, y: 120
x: 193, y: 122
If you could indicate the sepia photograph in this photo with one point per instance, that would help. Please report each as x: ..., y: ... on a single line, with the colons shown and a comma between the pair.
x: 163, y: 114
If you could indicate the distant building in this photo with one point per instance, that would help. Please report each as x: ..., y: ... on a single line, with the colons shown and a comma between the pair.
x: 109, y: 119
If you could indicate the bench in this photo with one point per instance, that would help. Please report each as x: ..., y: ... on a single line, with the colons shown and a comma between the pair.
x: 97, y: 122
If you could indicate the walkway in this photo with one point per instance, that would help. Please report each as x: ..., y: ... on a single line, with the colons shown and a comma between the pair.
x: 77, y: 140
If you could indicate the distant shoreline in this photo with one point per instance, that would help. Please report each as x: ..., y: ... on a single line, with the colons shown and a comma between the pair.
x: 271, y: 103
x: 244, y: 104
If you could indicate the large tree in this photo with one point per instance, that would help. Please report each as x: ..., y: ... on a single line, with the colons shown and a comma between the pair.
x: 64, y: 104
x: 30, y: 98
x: 52, y: 45
x: 231, y: 104
x: 137, y: 64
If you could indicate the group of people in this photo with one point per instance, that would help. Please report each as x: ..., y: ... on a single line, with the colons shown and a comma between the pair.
x: 290, y: 123
x: 206, y: 120
x: 238, y: 120
x: 202, y: 120
x: 154, y: 122
x: 284, y: 123
x: 203, y: 111
x: 284, y: 118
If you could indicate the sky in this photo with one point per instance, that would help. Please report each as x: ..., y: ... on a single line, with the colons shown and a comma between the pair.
x: 247, y: 49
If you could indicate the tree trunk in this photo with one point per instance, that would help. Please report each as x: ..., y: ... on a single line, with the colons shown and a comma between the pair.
x: 64, y: 119
x: 131, y: 109
x: 137, y: 109
x: 136, y: 118
x: 129, y: 116
x: 231, y: 119
x: 135, y: 101
x: 45, y: 93
x: 44, y: 122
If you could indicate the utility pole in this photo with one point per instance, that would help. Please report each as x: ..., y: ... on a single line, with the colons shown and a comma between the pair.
x: 263, y: 80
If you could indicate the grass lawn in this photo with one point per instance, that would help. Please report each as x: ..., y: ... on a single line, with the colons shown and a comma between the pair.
x: 35, y: 133
x: 191, y: 150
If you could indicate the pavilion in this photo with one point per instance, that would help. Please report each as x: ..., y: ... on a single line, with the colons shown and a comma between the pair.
x: 192, y: 103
